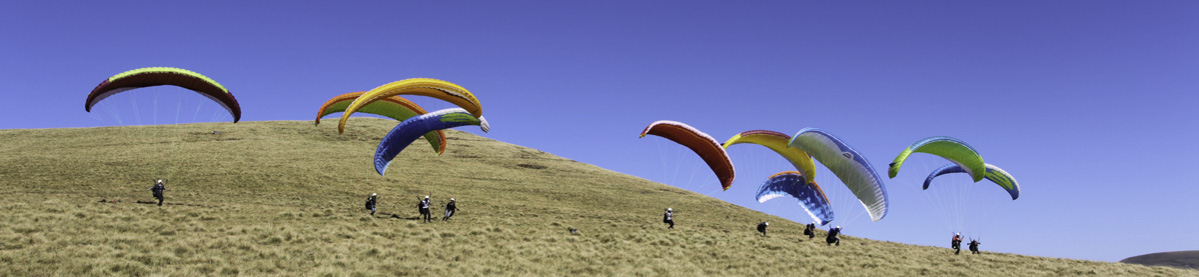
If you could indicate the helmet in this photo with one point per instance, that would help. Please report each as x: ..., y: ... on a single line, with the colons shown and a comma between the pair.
x: 374, y: 194
x: 451, y: 199
x: 426, y: 197
x: 766, y: 223
x: 159, y: 181
x: 957, y: 234
x: 668, y: 209
x: 838, y: 227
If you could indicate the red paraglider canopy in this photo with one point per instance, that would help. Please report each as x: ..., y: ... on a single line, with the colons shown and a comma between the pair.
x: 702, y: 144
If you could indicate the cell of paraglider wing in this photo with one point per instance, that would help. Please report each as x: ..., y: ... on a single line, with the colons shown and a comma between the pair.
x: 810, y: 196
x: 394, y: 107
x: 161, y: 76
x: 702, y: 144
x: 778, y: 142
x: 850, y: 167
x: 406, y: 132
x: 951, y: 149
x: 439, y: 89
x: 994, y: 173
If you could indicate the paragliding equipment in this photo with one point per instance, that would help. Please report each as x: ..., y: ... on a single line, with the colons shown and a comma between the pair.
x: 700, y: 143
x: 851, y: 168
x: 951, y: 149
x: 679, y: 167
x: 142, y: 101
x: 792, y: 184
x: 848, y: 211
x: 393, y: 107
x: 777, y: 142
x: 843, y: 201
x: 408, y: 131
x: 164, y: 76
x: 960, y: 203
x: 993, y: 173
x: 439, y: 89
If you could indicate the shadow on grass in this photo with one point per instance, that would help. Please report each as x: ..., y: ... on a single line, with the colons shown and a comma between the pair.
x: 172, y: 204
x: 395, y: 216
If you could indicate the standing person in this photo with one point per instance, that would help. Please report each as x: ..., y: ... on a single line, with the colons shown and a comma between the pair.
x: 956, y: 244
x: 158, y: 188
x: 762, y: 228
x: 810, y: 230
x: 974, y: 246
x: 668, y: 218
x: 424, y: 209
x: 371, y: 201
x: 834, y: 236
x: 450, y: 208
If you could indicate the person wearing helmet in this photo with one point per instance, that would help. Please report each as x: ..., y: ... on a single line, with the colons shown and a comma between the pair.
x: 371, y: 201
x: 450, y: 208
x: 834, y: 236
x: 762, y: 228
x: 424, y: 209
x: 956, y: 244
x: 668, y: 218
x: 158, y: 188
x: 974, y: 246
x: 810, y: 230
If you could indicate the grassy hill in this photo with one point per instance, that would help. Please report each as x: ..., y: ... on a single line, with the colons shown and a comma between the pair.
x: 285, y: 198
x: 1179, y: 259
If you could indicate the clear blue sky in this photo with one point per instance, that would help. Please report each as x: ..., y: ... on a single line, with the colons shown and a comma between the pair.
x: 1091, y: 105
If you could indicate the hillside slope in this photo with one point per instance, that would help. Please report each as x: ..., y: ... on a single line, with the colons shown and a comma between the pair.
x: 285, y: 198
x: 1179, y: 259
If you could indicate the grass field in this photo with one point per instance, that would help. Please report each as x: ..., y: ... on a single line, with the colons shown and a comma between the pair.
x: 286, y: 198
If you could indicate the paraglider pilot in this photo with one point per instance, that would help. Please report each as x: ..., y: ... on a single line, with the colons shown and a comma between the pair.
x: 834, y: 236
x: 668, y: 218
x: 450, y: 209
x: 974, y: 246
x: 158, y: 188
x: 371, y: 201
x: 810, y: 230
x: 762, y: 227
x: 956, y: 244
x: 424, y: 209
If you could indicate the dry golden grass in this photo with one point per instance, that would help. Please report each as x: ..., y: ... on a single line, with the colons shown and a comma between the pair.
x: 285, y: 198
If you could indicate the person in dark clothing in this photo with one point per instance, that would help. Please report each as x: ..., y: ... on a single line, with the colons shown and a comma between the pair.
x: 810, y: 230
x: 158, y: 188
x: 956, y: 244
x: 668, y: 218
x: 762, y: 228
x: 834, y: 236
x: 974, y: 246
x: 424, y: 209
x: 371, y: 201
x: 450, y: 209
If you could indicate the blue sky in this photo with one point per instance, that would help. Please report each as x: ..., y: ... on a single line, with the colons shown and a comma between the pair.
x: 1089, y: 104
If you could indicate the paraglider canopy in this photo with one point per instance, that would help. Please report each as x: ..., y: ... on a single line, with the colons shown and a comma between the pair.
x: 778, y: 143
x: 809, y: 195
x: 702, y: 144
x: 394, y: 107
x: 850, y: 167
x: 160, y: 76
x: 994, y: 174
x: 439, y: 89
x: 951, y: 149
x: 407, y: 131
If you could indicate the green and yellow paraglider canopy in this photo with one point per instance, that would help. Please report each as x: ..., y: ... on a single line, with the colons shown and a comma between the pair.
x: 951, y: 149
x: 161, y: 76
